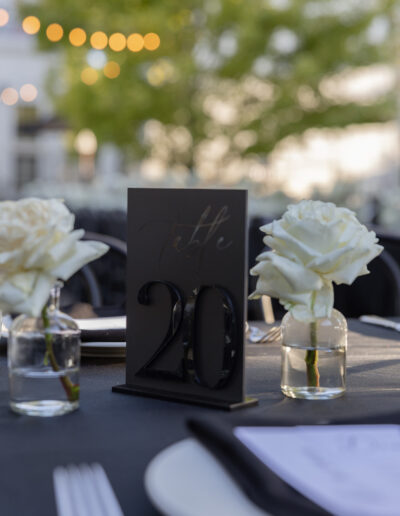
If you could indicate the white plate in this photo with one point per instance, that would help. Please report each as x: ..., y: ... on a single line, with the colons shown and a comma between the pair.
x: 103, y: 349
x: 95, y: 324
x: 102, y: 323
x: 108, y: 345
x: 186, y: 480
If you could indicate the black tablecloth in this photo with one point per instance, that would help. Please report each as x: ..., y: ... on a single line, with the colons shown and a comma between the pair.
x: 125, y: 432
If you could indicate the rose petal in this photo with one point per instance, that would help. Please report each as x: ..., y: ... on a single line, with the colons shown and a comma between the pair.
x: 323, y: 301
x: 280, y: 277
x: 34, y: 303
x: 64, y: 248
x: 83, y: 253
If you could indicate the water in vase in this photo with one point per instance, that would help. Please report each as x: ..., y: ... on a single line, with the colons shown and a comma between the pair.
x: 43, y: 385
x: 330, y: 369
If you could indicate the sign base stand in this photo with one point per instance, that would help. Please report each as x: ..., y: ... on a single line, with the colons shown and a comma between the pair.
x: 182, y: 398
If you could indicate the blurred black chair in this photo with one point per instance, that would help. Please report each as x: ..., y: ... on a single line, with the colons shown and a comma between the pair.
x: 389, y: 240
x: 99, y: 288
x: 377, y: 293
x: 103, y: 222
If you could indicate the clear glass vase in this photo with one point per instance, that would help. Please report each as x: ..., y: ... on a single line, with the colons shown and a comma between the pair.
x: 43, y: 362
x: 314, y: 357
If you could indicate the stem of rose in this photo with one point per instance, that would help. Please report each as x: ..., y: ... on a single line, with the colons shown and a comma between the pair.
x: 71, y: 389
x: 312, y: 358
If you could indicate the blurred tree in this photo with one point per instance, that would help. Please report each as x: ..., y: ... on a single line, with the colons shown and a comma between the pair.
x: 230, y: 78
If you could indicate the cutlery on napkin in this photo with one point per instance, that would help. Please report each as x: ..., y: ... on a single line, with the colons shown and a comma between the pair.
x: 380, y: 321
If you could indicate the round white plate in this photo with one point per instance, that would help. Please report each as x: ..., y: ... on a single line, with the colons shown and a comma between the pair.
x: 103, y: 349
x: 186, y: 480
x: 108, y: 345
x: 102, y: 323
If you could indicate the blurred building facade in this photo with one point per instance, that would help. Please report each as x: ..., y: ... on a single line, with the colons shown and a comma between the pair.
x: 31, y: 140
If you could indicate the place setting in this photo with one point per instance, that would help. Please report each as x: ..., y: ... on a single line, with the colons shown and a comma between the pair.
x: 103, y: 337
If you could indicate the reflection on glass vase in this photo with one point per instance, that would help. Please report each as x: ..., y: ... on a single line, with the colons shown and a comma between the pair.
x: 314, y: 357
x: 43, y: 362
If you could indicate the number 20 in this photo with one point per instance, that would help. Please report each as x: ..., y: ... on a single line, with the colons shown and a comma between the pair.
x: 183, y: 315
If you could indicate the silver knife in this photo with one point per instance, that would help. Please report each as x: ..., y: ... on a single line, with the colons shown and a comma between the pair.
x: 380, y: 321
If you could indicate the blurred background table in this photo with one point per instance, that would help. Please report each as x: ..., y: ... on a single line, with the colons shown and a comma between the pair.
x: 124, y: 433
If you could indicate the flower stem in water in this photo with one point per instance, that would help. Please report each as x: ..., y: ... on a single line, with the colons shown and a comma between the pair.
x: 312, y: 358
x: 71, y: 389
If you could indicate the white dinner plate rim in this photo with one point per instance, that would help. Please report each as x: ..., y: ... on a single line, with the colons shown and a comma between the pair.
x: 103, y: 349
x: 107, y: 345
x: 180, y: 501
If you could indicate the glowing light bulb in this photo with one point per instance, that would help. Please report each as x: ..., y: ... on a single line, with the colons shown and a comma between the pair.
x: 135, y: 42
x: 98, y: 40
x: 28, y: 92
x: 89, y: 76
x: 54, y: 32
x: 31, y: 24
x: 9, y: 96
x: 112, y: 70
x: 117, y: 42
x: 77, y: 37
x: 4, y: 17
x: 151, y: 41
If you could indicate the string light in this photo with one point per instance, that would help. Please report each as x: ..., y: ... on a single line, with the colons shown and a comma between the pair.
x: 112, y: 70
x: 4, y: 17
x: 98, y: 40
x: 9, y: 96
x: 28, y: 92
x: 54, y: 32
x: 77, y: 37
x: 31, y: 24
x: 117, y: 42
x: 135, y: 42
x: 89, y: 76
x: 151, y: 41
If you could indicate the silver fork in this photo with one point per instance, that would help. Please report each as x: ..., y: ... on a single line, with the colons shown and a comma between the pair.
x: 257, y: 336
x: 84, y: 490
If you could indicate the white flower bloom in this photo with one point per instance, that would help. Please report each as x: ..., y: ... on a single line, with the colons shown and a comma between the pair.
x: 314, y: 244
x: 38, y: 246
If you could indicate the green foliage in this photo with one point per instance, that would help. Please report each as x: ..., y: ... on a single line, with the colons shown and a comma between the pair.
x: 272, y: 91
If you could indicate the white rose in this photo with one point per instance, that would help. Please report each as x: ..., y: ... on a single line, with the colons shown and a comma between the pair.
x: 314, y: 244
x: 38, y: 246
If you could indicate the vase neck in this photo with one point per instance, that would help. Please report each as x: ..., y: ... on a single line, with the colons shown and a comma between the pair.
x: 54, y: 298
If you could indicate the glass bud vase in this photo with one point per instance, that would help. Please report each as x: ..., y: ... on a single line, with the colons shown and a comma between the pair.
x: 314, y: 357
x: 43, y: 362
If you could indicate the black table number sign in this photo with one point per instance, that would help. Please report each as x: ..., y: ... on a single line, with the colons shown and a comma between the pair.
x: 187, y: 296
